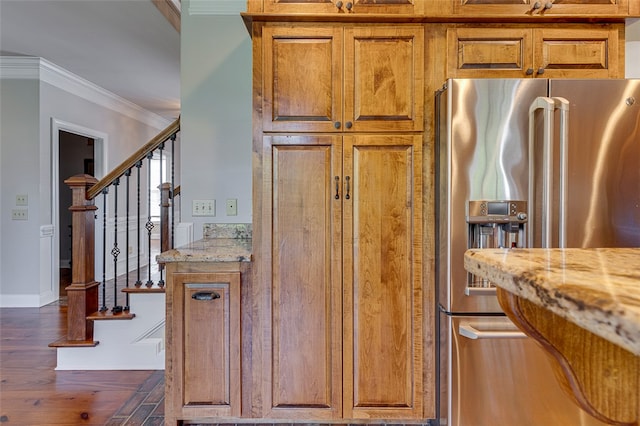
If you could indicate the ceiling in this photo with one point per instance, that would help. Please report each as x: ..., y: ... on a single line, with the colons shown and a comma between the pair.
x: 124, y: 46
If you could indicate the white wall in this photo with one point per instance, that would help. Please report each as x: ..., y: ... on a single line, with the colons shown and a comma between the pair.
x: 216, y: 102
x: 19, y: 162
x: 29, y: 102
x: 632, y: 51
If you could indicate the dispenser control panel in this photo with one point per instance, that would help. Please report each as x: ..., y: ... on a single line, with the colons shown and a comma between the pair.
x: 485, y: 211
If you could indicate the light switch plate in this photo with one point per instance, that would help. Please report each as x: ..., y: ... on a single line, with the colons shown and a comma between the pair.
x: 19, y: 214
x: 204, y: 208
x: 232, y: 207
x: 22, y: 200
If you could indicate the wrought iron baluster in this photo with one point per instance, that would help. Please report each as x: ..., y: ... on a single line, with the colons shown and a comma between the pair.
x: 126, y: 263
x: 160, y: 267
x: 138, y: 230
x: 103, y: 308
x: 115, y: 251
x: 172, y: 191
x: 149, y: 225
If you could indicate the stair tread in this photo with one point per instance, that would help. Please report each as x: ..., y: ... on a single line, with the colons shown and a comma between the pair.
x: 143, y: 289
x: 64, y: 343
x: 108, y: 315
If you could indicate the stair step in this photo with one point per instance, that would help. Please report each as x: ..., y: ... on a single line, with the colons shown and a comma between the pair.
x: 108, y: 315
x: 64, y: 343
x: 143, y: 289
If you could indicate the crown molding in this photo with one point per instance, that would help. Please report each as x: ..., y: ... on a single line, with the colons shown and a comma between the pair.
x: 217, y: 7
x: 34, y: 68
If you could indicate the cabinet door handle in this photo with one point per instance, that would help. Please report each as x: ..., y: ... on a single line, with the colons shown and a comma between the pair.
x: 540, y: 71
x: 349, y: 5
x: 529, y: 71
x: 337, y: 187
x: 348, y: 179
x: 336, y: 124
x: 338, y: 4
x: 205, y: 295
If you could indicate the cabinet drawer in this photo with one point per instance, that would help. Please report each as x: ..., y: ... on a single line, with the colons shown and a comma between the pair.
x: 474, y: 50
x: 578, y: 53
x: 210, y: 341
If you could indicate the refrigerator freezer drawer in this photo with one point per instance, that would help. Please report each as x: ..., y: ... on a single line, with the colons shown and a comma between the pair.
x: 497, y: 376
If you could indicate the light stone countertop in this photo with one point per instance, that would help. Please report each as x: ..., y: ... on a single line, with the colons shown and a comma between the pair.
x: 597, y: 289
x: 210, y: 250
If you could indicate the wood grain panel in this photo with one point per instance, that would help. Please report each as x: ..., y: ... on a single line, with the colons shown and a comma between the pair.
x: 305, y: 277
x: 382, y: 341
x: 471, y: 51
x: 302, y: 78
x: 579, y: 53
x: 203, y: 370
x: 207, y: 335
x: 340, y: 8
x: 384, y: 75
x: 597, y: 374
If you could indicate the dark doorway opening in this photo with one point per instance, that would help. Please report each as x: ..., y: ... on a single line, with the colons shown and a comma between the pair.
x: 75, y: 156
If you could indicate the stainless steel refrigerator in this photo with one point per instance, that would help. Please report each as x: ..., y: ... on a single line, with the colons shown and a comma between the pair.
x: 523, y: 163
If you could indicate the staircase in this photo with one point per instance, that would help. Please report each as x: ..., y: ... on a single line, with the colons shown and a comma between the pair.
x: 116, y: 322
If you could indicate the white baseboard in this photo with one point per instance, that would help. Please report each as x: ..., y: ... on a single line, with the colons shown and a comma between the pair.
x: 20, y: 301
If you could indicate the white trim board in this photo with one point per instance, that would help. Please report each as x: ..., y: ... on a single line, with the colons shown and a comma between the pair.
x: 34, y: 68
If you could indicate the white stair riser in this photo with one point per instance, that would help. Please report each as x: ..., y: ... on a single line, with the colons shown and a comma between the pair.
x: 136, y: 344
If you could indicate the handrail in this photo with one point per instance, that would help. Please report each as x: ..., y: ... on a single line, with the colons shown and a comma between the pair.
x: 133, y: 159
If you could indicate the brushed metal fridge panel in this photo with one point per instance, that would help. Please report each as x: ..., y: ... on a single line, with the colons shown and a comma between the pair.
x: 603, y: 161
x: 500, y: 381
x: 482, y: 155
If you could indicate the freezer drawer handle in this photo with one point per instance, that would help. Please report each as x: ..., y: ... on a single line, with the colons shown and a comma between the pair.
x: 471, y: 332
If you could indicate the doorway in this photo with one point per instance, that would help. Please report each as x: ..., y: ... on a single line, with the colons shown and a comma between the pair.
x: 75, y: 156
x: 75, y: 150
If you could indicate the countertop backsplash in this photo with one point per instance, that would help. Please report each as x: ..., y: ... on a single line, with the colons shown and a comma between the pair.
x: 241, y: 231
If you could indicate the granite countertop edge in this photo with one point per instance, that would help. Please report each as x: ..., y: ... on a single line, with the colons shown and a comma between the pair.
x: 210, y: 250
x: 597, y: 289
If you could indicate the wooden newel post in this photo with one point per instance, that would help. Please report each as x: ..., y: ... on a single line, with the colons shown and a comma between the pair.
x: 83, y: 291
x: 165, y: 189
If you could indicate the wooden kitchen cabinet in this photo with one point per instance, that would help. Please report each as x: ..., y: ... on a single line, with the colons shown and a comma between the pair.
x: 545, y: 52
x: 341, y: 7
x: 540, y: 8
x: 203, y: 377
x: 343, y: 78
x: 345, y: 274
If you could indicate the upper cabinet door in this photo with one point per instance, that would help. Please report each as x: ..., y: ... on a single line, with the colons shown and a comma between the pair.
x: 384, y: 78
x: 404, y: 7
x: 494, y: 52
x: 535, y: 8
x: 579, y: 53
x: 559, y: 52
x: 302, y: 78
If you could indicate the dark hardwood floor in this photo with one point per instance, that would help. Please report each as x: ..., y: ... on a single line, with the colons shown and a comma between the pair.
x: 33, y: 393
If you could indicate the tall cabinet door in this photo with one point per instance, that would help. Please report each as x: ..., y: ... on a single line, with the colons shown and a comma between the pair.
x: 305, y: 300
x: 382, y: 274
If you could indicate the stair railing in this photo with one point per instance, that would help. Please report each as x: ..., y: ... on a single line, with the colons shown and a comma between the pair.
x: 87, y: 298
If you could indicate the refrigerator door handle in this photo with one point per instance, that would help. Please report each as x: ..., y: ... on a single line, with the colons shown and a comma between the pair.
x: 548, y: 107
x: 470, y: 332
x: 563, y: 105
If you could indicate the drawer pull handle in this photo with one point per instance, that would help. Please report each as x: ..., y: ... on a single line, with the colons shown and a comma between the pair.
x: 205, y: 295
